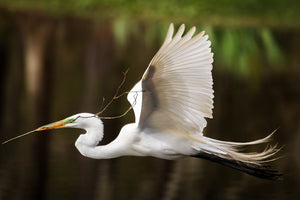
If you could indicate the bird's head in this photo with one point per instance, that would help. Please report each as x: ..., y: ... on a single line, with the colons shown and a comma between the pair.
x: 80, y: 120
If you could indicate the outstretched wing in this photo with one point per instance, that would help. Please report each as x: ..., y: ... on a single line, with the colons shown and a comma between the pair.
x: 175, y: 92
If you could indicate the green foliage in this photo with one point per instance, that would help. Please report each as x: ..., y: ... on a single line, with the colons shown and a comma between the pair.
x: 218, y: 12
x: 121, y: 31
x: 246, y: 53
x: 274, y: 54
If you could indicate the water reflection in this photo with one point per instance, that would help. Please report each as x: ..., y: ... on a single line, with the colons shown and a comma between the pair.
x: 84, y: 62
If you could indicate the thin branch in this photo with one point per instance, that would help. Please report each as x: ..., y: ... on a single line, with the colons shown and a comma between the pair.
x: 102, y: 104
x: 119, y: 116
x: 116, y: 96
x: 11, y: 139
x: 125, y: 113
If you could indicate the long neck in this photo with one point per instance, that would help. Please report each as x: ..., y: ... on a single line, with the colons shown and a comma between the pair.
x: 87, y: 145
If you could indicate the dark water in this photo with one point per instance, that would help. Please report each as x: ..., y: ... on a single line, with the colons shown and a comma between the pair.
x: 256, y: 87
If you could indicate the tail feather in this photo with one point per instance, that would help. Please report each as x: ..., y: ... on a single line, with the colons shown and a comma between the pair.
x: 258, y: 171
x: 230, y: 154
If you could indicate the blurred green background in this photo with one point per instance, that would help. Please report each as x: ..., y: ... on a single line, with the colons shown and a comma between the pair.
x: 59, y: 58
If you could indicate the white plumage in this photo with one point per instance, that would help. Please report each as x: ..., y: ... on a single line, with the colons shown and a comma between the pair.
x: 170, y: 104
x: 182, y: 83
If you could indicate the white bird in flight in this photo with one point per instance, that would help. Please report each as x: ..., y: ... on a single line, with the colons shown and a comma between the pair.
x: 170, y: 105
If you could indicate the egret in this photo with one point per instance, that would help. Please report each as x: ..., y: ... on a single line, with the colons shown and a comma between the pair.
x: 171, y: 103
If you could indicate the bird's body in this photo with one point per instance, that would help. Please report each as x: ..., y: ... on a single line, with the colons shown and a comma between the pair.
x: 170, y: 103
x: 131, y: 141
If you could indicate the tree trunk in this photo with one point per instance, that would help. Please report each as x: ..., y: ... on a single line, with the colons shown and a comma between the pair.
x: 35, y: 32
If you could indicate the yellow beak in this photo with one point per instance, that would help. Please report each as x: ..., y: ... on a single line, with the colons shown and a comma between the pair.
x: 58, y: 124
